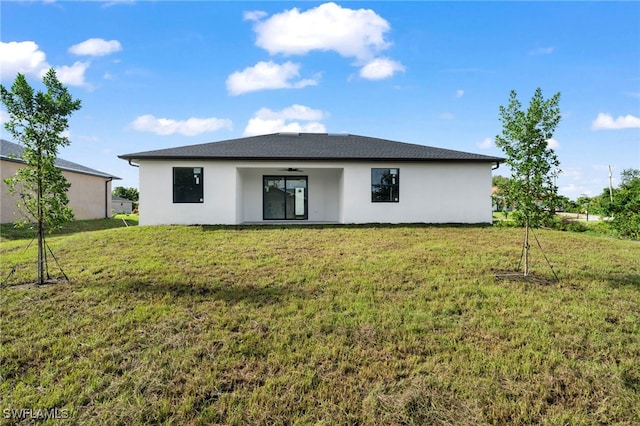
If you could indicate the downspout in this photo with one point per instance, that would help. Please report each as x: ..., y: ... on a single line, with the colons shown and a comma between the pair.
x: 496, y: 167
x: 106, y: 197
x: 134, y: 165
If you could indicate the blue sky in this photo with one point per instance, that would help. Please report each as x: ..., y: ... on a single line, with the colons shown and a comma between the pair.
x: 159, y: 74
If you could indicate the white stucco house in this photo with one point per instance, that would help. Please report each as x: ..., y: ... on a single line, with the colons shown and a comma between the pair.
x: 312, y: 178
x: 89, y: 194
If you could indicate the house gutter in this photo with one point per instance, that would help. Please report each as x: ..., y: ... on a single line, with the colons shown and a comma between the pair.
x: 496, y: 167
x: 133, y: 165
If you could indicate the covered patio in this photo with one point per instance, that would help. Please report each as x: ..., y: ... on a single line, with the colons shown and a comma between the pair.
x: 289, y: 194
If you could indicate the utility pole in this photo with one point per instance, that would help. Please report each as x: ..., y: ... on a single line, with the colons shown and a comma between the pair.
x: 610, y: 186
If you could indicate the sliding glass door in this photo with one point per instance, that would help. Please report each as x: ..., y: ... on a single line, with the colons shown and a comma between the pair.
x: 284, y: 197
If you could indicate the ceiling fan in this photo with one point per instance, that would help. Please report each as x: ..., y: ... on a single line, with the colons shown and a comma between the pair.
x: 291, y: 169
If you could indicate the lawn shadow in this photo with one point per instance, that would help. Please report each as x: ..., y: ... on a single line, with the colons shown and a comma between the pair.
x: 230, y: 293
x: 618, y: 280
x: 532, y: 278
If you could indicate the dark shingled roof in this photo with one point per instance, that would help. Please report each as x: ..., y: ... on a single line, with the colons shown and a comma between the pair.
x: 311, y: 146
x: 10, y: 151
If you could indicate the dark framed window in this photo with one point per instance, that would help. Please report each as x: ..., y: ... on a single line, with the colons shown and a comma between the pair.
x: 284, y: 198
x: 188, y: 185
x: 385, y: 185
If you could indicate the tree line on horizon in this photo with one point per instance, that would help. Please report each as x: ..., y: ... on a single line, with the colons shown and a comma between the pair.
x: 620, y: 205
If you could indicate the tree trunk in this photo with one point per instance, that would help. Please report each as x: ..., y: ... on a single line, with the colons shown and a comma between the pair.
x: 40, y: 222
x: 526, y: 247
x: 40, y: 253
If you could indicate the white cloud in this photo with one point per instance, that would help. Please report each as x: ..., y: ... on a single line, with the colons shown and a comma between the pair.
x: 296, y: 118
x: 573, y: 173
x: 254, y: 15
x: 258, y: 126
x: 459, y: 93
x: 294, y: 112
x: 328, y: 27
x: 486, y: 143
x: 607, y: 122
x: 380, y: 68
x: 573, y: 191
x: 23, y: 57
x: 352, y: 33
x: 73, y: 75
x: 190, y: 127
x: 575, y: 182
x: 96, y: 47
x: 267, y: 75
x: 553, y: 143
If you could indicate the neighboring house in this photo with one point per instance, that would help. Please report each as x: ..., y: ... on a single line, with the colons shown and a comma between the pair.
x: 89, y: 194
x: 121, y: 205
x: 312, y: 177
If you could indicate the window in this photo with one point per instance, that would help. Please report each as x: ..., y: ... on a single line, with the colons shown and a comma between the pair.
x: 385, y: 185
x: 284, y: 197
x: 187, y: 185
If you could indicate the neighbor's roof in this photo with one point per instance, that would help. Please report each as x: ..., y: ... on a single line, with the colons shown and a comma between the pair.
x: 120, y: 199
x: 10, y: 151
x: 311, y: 146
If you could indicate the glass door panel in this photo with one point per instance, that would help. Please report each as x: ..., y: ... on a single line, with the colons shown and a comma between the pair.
x: 284, y: 197
x: 296, y: 198
x: 273, y: 198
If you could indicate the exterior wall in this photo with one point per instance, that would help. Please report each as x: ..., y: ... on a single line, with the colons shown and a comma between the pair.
x: 232, y: 192
x: 430, y: 192
x: 87, y: 195
x: 118, y: 206
x: 8, y: 211
x: 156, y: 194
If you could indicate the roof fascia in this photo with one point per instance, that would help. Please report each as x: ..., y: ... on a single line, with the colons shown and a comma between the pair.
x: 335, y: 159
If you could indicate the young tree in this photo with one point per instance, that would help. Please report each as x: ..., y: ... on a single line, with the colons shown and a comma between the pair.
x: 534, y: 165
x: 37, y: 121
x: 624, y: 205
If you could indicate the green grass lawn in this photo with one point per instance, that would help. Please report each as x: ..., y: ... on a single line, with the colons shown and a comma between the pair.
x: 10, y: 231
x: 335, y: 325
